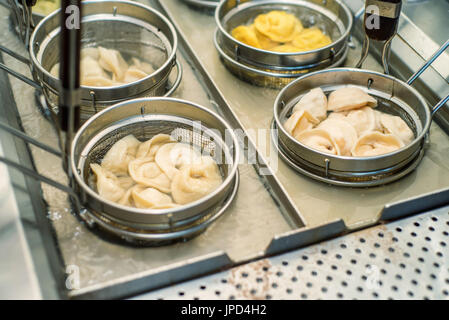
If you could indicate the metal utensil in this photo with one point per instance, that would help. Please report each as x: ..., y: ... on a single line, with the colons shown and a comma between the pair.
x: 380, y: 23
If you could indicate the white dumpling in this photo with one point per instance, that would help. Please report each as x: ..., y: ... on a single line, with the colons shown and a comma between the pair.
x: 90, y: 67
x: 111, y: 60
x: 108, y: 186
x: 338, y: 115
x: 299, y: 121
x: 320, y: 140
x: 150, y: 198
x: 147, y: 173
x: 149, y: 148
x: 349, y: 98
x: 90, y: 52
x: 315, y: 102
x: 127, y: 199
x: 126, y: 182
x: 121, y: 153
x: 133, y: 74
x: 342, y: 133
x: 376, y: 143
x: 396, y: 126
x: 195, y: 181
x: 172, y: 157
x: 363, y: 120
x: 145, y: 67
x: 54, y: 71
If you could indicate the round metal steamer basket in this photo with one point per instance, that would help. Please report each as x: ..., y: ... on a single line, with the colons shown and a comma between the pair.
x: 275, y: 69
x: 144, y: 118
x: 394, y: 97
x: 133, y: 29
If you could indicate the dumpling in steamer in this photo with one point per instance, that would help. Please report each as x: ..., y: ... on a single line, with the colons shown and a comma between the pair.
x: 108, y: 186
x: 265, y: 42
x: 111, y: 60
x: 320, y: 140
x: 91, y: 68
x: 149, y: 148
x: 279, y: 26
x: 126, y: 199
x: 300, y: 121
x: 338, y: 115
x: 376, y: 143
x: 54, y: 71
x: 349, y: 98
x: 150, y: 198
x: 396, y: 126
x: 121, y: 153
x: 172, y: 157
x: 311, y: 38
x: 363, y: 120
x: 90, y: 52
x: 195, y: 181
x: 344, y: 135
x: 133, y: 74
x: 147, y: 173
x: 315, y: 102
x: 247, y: 35
x: 143, y: 66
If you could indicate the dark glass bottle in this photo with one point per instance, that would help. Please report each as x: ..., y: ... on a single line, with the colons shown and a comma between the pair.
x: 381, y: 18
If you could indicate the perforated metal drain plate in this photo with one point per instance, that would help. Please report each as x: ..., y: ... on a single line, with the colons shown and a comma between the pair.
x: 407, y: 259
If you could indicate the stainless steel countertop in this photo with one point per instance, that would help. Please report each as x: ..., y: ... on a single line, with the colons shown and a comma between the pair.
x: 18, y: 279
x: 35, y: 282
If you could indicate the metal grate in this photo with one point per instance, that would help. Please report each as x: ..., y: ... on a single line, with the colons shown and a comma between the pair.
x: 407, y: 259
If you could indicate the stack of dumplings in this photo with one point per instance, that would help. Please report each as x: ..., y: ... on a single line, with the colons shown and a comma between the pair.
x: 101, y: 67
x: 156, y: 174
x: 346, y: 124
x: 281, y: 32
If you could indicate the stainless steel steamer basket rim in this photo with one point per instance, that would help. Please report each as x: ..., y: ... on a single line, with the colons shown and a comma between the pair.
x: 169, y: 63
x: 418, y: 139
x: 224, y: 32
x: 226, y: 182
x: 341, y: 56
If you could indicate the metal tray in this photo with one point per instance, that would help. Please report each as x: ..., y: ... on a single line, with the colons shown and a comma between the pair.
x: 262, y: 220
x: 253, y: 107
x: 275, y: 210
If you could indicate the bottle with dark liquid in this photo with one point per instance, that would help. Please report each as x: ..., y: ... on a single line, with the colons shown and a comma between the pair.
x: 381, y: 18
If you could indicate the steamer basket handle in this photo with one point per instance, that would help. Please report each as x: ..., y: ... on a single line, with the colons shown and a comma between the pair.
x: 439, y: 105
x: 16, y: 74
x: 44, y: 179
x: 32, y: 173
x: 424, y: 68
x: 177, y: 81
x: 428, y: 63
x: 23, y: 136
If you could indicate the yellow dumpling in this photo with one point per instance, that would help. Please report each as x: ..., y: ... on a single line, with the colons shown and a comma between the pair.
x: 246, y: 35
x: 279, y: 26
x: 310, y: 39
x: 265, y: 42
